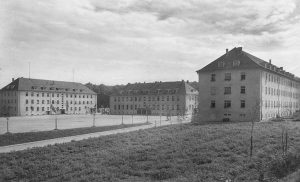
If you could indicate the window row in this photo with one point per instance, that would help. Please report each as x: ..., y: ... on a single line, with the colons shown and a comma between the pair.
x: 227, y: 104
x: 149, y: 98
x: 153, y: 107
x: 227, y: 90
x: 280, y: 80
x: 279, y: 92
x: 227, y: 77
x: 57, y: 102
x: 48, y: 108
x: 280, y: 104
x: 58, y: 95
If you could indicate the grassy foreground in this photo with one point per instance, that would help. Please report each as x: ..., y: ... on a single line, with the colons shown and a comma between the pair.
x: 16, y: 138
x: 215, y: 152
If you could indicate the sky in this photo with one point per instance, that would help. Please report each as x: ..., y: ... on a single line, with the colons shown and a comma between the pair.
x: 126, y: 41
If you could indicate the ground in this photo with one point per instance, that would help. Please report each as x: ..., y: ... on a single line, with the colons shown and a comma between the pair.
x: 211, y: 152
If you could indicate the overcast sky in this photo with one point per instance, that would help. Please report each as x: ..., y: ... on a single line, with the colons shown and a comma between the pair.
x: 122, y: 41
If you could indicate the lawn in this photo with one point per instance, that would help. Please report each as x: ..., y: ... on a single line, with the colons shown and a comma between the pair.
x: 212, y: 152
x: 16, y: 138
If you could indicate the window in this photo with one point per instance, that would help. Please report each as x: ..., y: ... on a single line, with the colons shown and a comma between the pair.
x: 57, y: 102
x: 213, y: 91
x: 221, y: 64
x: 213, y: 77
x: 37, y: 109
x: 52, y: 101
x: 236, y: 63
x: 227, y: 90
x: 31, y: 94
x: 32, y: 101
x: 227, y: 104
x: 227, y: 76
x: 243, y: 103
x: 243, y: 76
x: 26, y: 93
x: 26, y: 108
x: 212, y: 104
x: 43, y: 94
x: 26, y: 101
x: 38, y: 101
x: 243, y: 89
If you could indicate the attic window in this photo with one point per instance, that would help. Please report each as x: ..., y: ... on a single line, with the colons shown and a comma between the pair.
x: 33, y: 87
x: 221, y: 64
x: 51, y: 88
x: 81, y: 90
x: 236, y: 63
x: 67, y: 89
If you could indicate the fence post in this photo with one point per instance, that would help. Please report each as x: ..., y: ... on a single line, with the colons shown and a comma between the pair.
x: 122, y: 119
x: 160, y: 119
x: 132, y: 119
x: 94, y: 114
x: 55, y: 122
x: 7, y: 127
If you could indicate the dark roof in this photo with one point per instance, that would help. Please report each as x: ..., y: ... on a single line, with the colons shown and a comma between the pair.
x: 177, y: 87
x: 26, y: 84
x: 246, y: 61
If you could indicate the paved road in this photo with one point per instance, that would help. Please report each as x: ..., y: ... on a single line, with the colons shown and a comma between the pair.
x: 47, y: 122
x: 18, y: 147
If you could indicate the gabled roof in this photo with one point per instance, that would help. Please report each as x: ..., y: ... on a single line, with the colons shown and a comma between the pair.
x: 177, y: 87
x: 244, y: 61
x: 26, y: 84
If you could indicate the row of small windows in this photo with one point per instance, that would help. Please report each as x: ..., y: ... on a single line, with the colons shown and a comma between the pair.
x: 57, y: 95
x: 280, y: 104
x: 153, y: 107
x: 227, y: 77
x: 9, y: 101
x: 280, y: 80
x: 48, y: 109
x: 227, y: 104
x: 227, y: 90
x: 150, y: 98
x: 57, y: 102
x: 146, y: 92
x: 273, y: 91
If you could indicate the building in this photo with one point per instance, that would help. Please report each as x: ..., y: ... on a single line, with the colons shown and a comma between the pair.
x: 24, y: 96
x: 241, y: 87
x: 158, y: 98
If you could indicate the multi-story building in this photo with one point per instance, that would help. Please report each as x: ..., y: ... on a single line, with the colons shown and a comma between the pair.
x: 158, y: 98
x: 241, y: 87
x: 25, y: 96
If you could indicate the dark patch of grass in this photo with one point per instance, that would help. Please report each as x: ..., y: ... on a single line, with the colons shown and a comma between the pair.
x: 171, y: 153
x: 17, y: 138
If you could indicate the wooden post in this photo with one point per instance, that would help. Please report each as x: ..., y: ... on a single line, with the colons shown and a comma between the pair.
x: 160, y: 119
x: 55, y: 122
x: 7, y: 127
x: 122, y: 118
x: 94, y: 115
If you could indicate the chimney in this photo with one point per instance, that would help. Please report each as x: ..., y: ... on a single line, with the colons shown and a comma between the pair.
x: 13, y: 79
x: 187, y: 81
x: 281, y: 68
x: 270, y: 61
x: 226, y: 51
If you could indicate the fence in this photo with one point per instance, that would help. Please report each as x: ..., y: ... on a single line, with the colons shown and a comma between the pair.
x: 50, y: 122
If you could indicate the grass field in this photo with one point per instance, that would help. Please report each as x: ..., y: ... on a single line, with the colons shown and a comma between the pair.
x: 16, y: 138
x: 212, y: 152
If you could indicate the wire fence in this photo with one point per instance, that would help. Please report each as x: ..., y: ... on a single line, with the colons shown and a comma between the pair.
x: 51, y: 122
